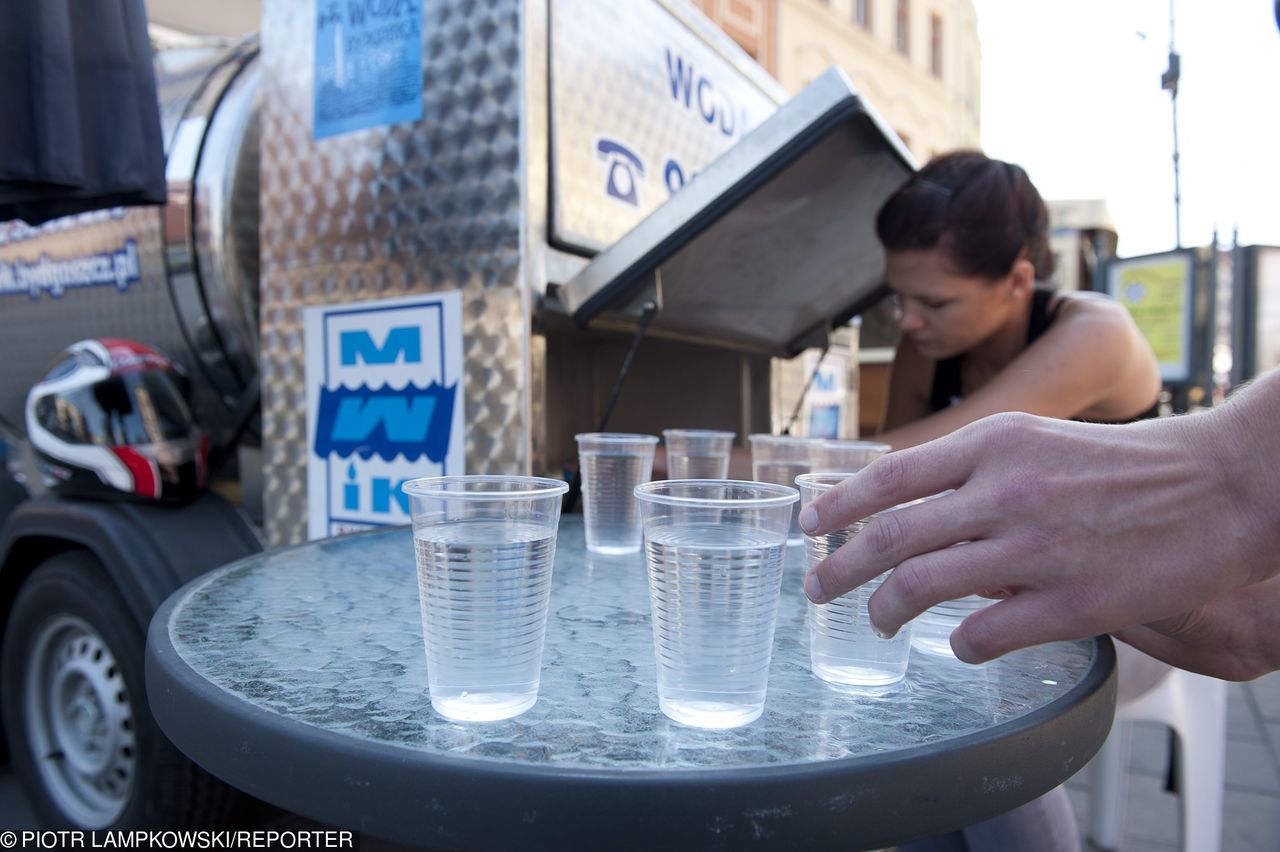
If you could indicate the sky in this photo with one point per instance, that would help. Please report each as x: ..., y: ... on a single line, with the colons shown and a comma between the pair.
x: 1071, y: 92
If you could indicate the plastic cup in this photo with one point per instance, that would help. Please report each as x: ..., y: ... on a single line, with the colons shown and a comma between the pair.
x: 697, y: 453
x: 933, y: 626
x: 843, y: 647
x: 845, y: 456
x: 714, y: 549
x: 612, y: 465
x: 780, y: 459
x: 484, y: 547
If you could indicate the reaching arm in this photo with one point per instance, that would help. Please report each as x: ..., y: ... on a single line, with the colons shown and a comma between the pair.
x: 1082, y: 528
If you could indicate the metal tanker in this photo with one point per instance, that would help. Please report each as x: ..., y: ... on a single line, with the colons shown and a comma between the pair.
x: 406, y: 238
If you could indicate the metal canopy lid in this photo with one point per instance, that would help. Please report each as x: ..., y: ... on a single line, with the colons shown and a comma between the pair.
x: 773, y: 244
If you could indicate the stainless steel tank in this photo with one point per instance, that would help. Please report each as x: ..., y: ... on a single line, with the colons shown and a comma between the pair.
x: 182, y: 277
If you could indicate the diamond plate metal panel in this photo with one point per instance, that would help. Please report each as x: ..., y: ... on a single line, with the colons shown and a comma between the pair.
x: 390, y: 211
x: 640, y: 101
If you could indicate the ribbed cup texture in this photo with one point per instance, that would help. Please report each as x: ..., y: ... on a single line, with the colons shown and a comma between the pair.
x: 697, y: 453
x: 682, y: 466
x: 609, y: 506
x: 843, y: 647
x: 849, y: 456
x: 782, y: 473
x: 484, y: 588
x: 714, y: 595
x: 933, y: 627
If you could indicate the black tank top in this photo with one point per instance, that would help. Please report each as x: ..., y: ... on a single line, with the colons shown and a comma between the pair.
x: 946, y: 373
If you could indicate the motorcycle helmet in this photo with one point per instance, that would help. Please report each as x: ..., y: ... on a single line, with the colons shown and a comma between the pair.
x: 109, y: 420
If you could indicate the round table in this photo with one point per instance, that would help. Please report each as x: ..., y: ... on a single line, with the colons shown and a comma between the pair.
x: 299, y: 676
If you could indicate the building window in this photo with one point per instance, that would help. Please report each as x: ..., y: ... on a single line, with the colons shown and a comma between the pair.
x: 862, y: 13
x: 902, y: 29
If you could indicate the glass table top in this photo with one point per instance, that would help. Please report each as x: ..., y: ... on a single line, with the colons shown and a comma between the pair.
x: 328, y: 634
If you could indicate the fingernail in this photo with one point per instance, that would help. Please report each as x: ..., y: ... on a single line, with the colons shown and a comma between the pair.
x: 883, y: 634
x: 813, y: 588
x: 808, y: 519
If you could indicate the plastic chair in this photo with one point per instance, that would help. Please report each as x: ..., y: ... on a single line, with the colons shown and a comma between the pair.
x: 1195, y: 707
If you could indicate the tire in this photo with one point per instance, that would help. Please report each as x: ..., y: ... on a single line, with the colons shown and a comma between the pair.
x: 81, y: 735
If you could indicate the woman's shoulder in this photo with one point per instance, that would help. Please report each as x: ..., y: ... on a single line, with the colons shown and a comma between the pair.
x: 1087, y: 307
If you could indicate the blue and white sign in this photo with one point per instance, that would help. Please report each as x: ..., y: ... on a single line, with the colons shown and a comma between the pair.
x: 368, y: 64
x: 828, y: 396
x: 384, y: 405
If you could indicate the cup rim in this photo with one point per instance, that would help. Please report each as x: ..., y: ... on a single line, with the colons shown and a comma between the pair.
x: 700, y: 433
x: 436, y: 486
x: 616, y: 437
x: 813, y: 478
x: 810, y: 480
x: 773, y: 495
x: 855, y: 444
x: 765, y: 437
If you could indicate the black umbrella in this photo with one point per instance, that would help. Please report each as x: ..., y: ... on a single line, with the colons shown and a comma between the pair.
x: 79, y: 122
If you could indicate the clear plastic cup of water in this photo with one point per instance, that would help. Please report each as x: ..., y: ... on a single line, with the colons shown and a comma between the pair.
x: 713, y: 550
x: 934, y: 625
x: 484, y: 547
x: 780, y: 459
x: 697, y: 453
x: 843, y: 647
x: 844, y: 455
x: 612, y: 465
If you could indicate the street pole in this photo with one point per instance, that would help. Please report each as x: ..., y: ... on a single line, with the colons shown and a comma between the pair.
x: 1169, y: 82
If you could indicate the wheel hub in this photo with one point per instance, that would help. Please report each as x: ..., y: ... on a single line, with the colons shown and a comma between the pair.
x: 80, y: 722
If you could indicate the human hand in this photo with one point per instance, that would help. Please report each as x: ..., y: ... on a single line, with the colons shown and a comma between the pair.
x: 1081, y: 528
x: 1235, y: 636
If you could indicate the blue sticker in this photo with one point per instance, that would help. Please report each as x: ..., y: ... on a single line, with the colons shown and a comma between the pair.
x: 386, y: 422
x: 368, y: 69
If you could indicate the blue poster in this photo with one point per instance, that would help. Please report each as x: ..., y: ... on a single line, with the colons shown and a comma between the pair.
x: 368, y: 64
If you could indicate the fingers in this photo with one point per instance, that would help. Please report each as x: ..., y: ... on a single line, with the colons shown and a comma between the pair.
x: 1026, y: 619
x: 892, y: 538
x: 888, y: 481
x: 927, y: 580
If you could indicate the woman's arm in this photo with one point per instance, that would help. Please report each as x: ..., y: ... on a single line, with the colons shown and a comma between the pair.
x: 1092, y: 359
x: 910, y: 381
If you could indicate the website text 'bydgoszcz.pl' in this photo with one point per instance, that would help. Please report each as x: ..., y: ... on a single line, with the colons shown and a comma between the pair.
x: 209, y: 839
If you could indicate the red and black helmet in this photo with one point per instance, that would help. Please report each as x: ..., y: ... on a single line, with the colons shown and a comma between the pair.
x: 109, y: 420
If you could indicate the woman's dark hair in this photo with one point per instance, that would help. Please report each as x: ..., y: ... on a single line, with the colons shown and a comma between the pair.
x: 982, y: 213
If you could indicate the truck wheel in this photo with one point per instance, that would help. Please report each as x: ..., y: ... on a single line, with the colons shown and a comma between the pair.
x: 80, y: 732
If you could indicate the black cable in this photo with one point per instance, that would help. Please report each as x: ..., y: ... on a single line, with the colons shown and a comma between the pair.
x: 575, y: 485
x: 786, y: 430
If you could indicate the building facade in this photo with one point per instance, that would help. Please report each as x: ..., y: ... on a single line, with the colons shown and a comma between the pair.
x: 916, y: 61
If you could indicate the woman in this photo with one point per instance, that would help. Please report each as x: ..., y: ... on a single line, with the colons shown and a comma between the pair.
x: 967, y: 244
x: 967, y: 250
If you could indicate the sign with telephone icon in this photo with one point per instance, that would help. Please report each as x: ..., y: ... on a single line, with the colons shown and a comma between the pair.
x: 623, y: 170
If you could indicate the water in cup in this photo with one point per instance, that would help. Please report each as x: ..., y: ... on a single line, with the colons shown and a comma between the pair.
x: 483, y: 587
x: 933, y: 626
x: 714, y: 596
x: 843, y: 647
x: 484, y: 548
x: 783, y: 473
x: 612, y: 465
x: 611, y: 516
x: 697, y: 453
